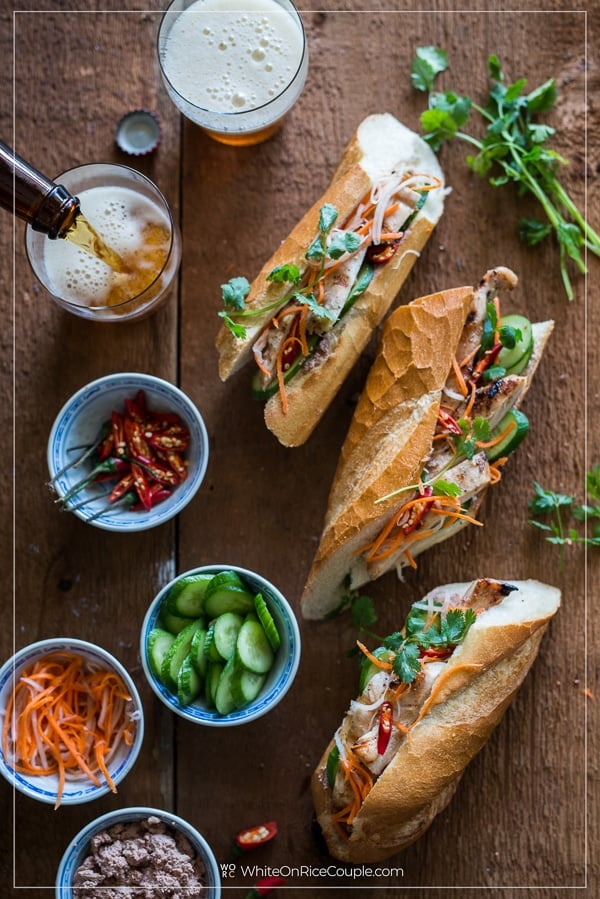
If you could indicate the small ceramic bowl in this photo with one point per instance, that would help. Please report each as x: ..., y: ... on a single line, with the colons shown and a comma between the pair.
x: 279, y: 678
x: 79, y: 848
x: 78, y: 424
x: 81, y: 789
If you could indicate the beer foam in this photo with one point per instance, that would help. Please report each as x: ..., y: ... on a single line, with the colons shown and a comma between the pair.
x: 232, y: 55
x: 123, y: 219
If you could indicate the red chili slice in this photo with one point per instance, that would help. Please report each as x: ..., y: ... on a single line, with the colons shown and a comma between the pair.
x: 385, y: 727
x: 382, y: 252
x: 256, y: 836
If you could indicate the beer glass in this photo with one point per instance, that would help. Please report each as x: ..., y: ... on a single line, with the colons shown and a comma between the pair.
x: 134, y: 220
x: 234, y: 67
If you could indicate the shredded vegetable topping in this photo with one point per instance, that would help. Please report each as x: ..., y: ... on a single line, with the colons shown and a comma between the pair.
x: 67, y: 717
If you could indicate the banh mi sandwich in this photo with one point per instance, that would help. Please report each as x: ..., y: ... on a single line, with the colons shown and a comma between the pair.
x: 437, y: 419
x: 430, y: 696
x: 308, y: 315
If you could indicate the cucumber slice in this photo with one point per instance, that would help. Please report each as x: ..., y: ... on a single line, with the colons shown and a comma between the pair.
x: 159, y: 643
x: 213, y: 675
x: 523, y: 362
x: 514, y: 437
x: 228, y: 598
x: 197, y: 654
x: 509, y: 357
x: 332, y: 765
x: 174, y: 657
x: 174, y: 623
x: 266, y: 619
x: 246, y: 686
x: 368, y: 668
x: 210, y: 650
x: 224, y: 699
x: 187, y: 594
x: 253, y: 648
x: 225, y: 633
x: 189, y: 683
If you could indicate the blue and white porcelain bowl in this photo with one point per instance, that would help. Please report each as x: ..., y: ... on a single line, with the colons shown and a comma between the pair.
x: 80, y: 789
x: 79, y: 848
x: 78, y: 424
x: 280, y: 677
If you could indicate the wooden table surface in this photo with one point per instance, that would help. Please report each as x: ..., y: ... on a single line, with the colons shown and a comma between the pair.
x: 526, y: 812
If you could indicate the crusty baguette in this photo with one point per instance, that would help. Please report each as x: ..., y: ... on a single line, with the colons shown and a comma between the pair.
x: 379, y: 145
x: 398, y: 411
x: 421, y: 778
x: 389, y: 440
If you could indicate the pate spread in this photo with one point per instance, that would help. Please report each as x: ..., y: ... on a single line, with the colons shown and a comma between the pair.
x: 148, y: 857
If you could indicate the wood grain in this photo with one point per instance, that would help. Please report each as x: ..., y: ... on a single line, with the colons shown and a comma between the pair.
x: 525, y: 814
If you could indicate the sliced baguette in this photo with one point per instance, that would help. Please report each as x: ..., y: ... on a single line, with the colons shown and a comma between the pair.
x: 380, y: 144
x: 389, y: 440
x: 489, y: 667
x: 389, y: 437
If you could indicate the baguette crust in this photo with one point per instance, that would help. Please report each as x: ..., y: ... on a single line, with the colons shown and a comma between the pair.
x: 380, y: 143
x: 398, y: 410
x: 423, y: 775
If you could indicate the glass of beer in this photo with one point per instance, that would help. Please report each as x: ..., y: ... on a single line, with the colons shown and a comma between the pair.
x: 129, y: 268
x: 234, y: 67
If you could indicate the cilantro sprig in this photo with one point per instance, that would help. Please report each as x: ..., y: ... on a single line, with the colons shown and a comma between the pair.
x: 446, y: 631
x: 362, y: 610
x: 513, y: 150
x: 553, y: 508
x: 325, y: 246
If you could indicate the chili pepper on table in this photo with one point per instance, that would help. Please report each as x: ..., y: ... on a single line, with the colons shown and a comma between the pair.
x: 255, y: 836
x: 265, y: 887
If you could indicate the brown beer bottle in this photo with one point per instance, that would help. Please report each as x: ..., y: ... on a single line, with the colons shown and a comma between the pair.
x: 46, y: 206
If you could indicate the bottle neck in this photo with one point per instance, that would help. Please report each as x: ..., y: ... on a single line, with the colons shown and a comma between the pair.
x: 46, y: 206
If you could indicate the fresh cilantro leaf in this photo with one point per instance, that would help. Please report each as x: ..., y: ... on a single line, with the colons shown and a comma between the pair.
x: 494, y: 68
x: 426, y: 65
x: 493, y: 373
x: 287, y: 273
x: 327, y: 217
x: 234, y: 293
x: 553, y: 505
x: 538, y: 134
x: 363, y: 612
x: 237, y: 330
x: 415, y: 621
x: 321, y: 313
x: 455, y: 624
x: 543, y: 97
x: 546, y: 501
x: 394, y: 641
x: 407, y: 662
x: 343, y: 242
x: 445, y: 488
x: 592, y: 482
x: 473, y: 432
x: 532, y: 231
x: 316, y: 251
x: 509, y: 336
x: 490, y: 324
